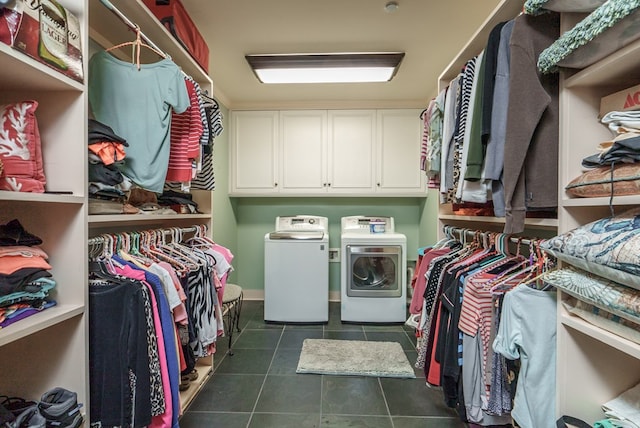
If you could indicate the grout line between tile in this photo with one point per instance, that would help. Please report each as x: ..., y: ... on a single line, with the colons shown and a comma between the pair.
x: 265, y: 378
x: 386, y: 405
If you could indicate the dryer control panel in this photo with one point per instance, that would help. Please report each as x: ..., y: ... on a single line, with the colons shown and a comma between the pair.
x: 367, y: 224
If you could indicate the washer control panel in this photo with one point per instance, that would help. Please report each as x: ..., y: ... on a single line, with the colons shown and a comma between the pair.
x: 302, y: 223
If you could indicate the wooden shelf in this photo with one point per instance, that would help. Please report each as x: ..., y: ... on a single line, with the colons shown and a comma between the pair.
x: 21, y: 71
x: 39, y: 321
x: 540, y: 223
x: 205, y: 370
x: 40, y: 197
x: 107, y: 30
x: 130, y: 219
x: 601, y: 202
x: 619, y: 69
x: 610, y: 339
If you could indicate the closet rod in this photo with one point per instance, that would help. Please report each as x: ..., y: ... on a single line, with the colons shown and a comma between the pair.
x: 472, y: 232
x: 96, y: 240
x: 132, y: 25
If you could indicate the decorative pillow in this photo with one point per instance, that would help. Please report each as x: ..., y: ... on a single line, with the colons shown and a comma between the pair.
x: 597, y: 182
x: 609, y: 247
x: 608, y: 295
x: 20, y: 149
x: 534, y: 7
x: 605, y: 30
x: 604, y: 319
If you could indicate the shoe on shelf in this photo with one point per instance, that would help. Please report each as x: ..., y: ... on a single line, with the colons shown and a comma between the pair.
x: 191, y: 376
x: 60, y: 408
x: 15, y: 405
x: 184, y: 385
x: 29, y: 418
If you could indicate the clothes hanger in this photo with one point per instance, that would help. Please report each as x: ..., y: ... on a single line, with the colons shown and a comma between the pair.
x: 136, y: 45
x: 200, y: 239
x: 179, y: 252
x: 156, y: 248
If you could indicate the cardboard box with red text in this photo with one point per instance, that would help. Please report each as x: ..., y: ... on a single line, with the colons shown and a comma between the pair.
x: 625, y: 100
x: 50, y: 33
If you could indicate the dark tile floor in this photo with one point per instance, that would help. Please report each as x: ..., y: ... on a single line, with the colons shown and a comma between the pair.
x: 258, y: 386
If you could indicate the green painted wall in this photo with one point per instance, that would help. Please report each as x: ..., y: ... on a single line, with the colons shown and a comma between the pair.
x: 429, y: 218
x: 225, y: 226
x: 256, y: 217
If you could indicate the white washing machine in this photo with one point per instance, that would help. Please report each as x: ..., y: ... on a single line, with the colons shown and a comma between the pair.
x: 373, y: 270
x: 296, y: 270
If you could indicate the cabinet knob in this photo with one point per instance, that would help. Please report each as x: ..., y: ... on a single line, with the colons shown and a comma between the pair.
x: 275, y: 184
x: 329, y: 184
x: 378, y: 184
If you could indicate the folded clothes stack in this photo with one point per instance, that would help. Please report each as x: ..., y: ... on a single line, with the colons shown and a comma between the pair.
x: 614, y: 168
x: 25, y: 279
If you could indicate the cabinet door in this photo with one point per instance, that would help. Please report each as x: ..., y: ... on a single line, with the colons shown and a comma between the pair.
x: 351, y: 151
x: 303, y: 151
x: 254, y: 137
x: 399, y: 138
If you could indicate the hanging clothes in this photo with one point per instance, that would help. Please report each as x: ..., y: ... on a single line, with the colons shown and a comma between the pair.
x: 159, y: 288
x: 460, y: 319
x: 137, y: 103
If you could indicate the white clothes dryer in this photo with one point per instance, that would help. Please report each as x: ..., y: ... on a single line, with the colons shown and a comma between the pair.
x: 296, y: 270
x: 373, y: 270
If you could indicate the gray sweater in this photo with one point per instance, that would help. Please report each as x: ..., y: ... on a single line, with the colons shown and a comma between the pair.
x: 531, y: 150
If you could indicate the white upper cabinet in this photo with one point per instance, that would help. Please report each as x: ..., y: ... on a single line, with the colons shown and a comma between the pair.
x: 303, y: 151
x: 399, y: 133
x: 351, y: 154
x: 326, y: 153
x: 254, y: 152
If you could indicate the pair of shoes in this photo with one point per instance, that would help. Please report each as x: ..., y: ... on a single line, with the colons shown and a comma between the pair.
x: 57, y: 408
x: 191, y: 376
x: 186, y: 379
x: 184, y: 385
x: 60, y: 408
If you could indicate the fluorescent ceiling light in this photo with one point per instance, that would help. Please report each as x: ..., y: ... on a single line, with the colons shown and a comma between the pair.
x: 325, y: 68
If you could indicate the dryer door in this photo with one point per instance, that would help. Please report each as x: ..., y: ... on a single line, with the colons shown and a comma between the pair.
x: 374, y: 271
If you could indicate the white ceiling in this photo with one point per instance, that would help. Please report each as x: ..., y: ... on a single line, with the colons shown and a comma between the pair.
x: 430, y: 32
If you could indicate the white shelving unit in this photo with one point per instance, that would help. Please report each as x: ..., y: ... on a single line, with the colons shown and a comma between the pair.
x: 593, y: 365
x: 49, y: 349
x: 107, y: 30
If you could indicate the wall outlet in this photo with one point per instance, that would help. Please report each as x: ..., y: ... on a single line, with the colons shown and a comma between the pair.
x: 334, y: 255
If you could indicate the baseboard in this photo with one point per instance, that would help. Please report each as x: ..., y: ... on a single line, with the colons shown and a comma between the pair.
x: 252, y: 294
x: 334, y: 296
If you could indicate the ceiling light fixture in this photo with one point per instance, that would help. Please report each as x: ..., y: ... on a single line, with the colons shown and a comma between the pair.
x: 326, y: 67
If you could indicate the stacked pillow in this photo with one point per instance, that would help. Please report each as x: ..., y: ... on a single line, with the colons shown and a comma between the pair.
x: 603, y: 260
x: 20, y: 148
x: 608, y: 247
